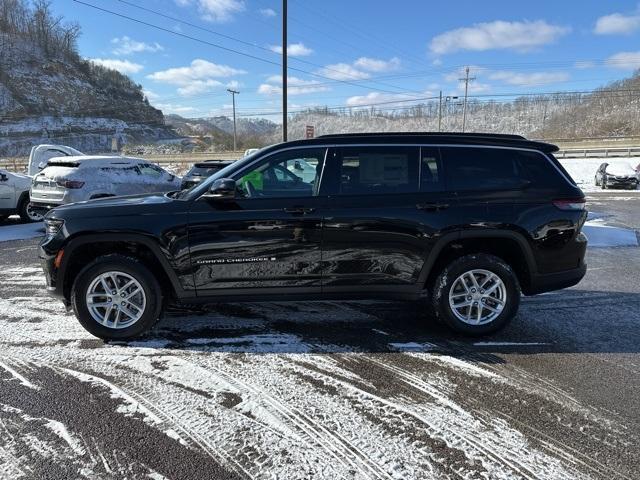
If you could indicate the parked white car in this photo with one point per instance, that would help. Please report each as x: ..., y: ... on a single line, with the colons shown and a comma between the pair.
x: 14, y: 196
x: 41, y: 154
x: 74, y: 179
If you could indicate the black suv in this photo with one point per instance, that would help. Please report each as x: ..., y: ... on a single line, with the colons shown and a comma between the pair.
x: 463, y: 222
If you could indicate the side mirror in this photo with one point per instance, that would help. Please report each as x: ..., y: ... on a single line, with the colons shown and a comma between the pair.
x: 222, y: 189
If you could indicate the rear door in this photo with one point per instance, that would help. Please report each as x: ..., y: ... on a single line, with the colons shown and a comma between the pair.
x: 269, y: 237
x: 383, y: 215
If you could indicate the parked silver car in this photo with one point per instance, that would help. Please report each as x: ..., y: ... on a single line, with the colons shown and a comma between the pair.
x: 74, y: 179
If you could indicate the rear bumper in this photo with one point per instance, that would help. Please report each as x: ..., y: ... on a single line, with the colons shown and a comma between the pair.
x: 548, y: 282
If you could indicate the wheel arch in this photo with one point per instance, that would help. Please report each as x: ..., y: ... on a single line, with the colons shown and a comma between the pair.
x: 508, y: 245
x: 81, y: 250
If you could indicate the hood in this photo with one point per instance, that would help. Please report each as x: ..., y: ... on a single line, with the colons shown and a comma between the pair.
x: 144, y: 204
x: 621, y: 170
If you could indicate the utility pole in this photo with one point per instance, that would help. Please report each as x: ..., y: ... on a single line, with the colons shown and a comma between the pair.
x: 440, y: 113
x: 235, y: 138
x: 466, y: 81
x: 284, y: 70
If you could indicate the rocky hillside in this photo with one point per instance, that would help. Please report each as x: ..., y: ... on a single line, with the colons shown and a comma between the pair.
x: 49, y: 94
x: 217, y: 132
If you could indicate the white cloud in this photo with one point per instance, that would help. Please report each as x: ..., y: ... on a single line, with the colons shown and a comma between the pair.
x: 199, y: 77
x: 267, y: 12
x: 523, y: 79
x: 624, y: 60
x: 616, y: 24
x: 293, y: 50
x: 215, y: 10
x: 343, y: 71
x: 377, y: 65
x: 295, y: 86
x: 174, y: 108
x: 127, y: 46
x: 498, y: 35
x: 123, y: 66
x: 387, y: 99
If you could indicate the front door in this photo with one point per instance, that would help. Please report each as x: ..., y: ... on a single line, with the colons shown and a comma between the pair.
x: 269, y: 236
x: 384, y: 214
x: 7, y: 191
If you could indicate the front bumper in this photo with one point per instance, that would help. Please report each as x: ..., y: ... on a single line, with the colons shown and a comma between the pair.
x: 622, y: 182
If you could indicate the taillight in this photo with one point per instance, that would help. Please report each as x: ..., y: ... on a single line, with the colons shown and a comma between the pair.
x: 570, y: 203
x: 70, y: 183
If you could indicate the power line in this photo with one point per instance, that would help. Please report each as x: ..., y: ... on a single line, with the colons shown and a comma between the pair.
x: 229, y: 37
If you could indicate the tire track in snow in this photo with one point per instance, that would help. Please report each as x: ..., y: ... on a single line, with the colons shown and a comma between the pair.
x: 455, y: 431
x: 337, y: 446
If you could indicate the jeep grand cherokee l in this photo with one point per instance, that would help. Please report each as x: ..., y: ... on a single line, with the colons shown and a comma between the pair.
x: 462, y: 222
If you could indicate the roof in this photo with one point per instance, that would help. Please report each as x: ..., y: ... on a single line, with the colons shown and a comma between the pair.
x: 94, y: 158
x: 442, y: 138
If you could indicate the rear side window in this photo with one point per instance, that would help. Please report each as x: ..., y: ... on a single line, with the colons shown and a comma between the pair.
x: 542, y: 172
x: 378, y: 170
x: 483, y: 168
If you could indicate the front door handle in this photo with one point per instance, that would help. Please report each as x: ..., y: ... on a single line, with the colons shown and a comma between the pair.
x: 299, y: 210
x: 432, y: 207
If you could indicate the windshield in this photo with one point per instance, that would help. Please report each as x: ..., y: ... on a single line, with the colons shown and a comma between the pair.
x: 196, y: 190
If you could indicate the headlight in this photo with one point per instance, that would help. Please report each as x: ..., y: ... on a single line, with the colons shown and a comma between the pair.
x: 52, y: 227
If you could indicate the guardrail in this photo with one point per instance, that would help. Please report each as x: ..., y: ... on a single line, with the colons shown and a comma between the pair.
x: 598, y: 152
x: 179, y: 161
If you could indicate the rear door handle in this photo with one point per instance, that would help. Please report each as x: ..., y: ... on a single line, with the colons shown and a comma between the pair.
x: 432, y: 207
x: 299, y: 210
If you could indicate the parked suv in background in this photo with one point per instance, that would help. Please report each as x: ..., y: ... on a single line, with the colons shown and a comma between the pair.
x: 74, y: 179
x: 201, y: 171
x: 463, y: 222
x: 14, y: 197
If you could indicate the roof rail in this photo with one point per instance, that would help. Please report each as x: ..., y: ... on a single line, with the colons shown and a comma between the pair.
x: 426, y: 134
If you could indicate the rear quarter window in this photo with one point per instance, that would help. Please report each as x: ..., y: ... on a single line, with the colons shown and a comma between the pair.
x: 470, y: 168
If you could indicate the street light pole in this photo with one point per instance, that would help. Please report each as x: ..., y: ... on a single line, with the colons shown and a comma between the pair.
x: 440, y: 113
x: 284, y: 70
x: 235, y: 138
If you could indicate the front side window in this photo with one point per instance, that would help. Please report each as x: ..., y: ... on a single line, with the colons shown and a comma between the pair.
x: 474, y: 168
x: 293, y: 173
x: 378, y: 170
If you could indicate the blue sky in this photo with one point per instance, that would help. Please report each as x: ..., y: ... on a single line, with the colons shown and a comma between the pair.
x: 356, y: 52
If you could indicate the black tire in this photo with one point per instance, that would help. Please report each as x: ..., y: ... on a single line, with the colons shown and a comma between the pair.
x: 130, y: 266
x: 480, y: 261
x: 26, y: 214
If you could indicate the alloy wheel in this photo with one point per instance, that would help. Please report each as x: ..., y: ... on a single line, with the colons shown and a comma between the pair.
x: 116, y: 300
x: 477, y: 297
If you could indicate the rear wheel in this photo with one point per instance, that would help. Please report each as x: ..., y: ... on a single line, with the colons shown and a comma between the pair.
x: 476, y: 294
x: 116, y: 297
x: 27, y: 212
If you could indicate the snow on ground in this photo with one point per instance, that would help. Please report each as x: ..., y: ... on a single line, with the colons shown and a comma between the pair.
x: 583, y: 170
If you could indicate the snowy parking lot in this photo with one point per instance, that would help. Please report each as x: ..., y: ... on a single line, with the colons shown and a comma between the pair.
x: 329, y: 389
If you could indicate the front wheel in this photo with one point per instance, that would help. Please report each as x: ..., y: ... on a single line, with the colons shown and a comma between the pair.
x: 476, y: 294
x: 116, y: 297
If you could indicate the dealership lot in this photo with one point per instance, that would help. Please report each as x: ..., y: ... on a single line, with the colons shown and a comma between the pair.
x: 328, y: 389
